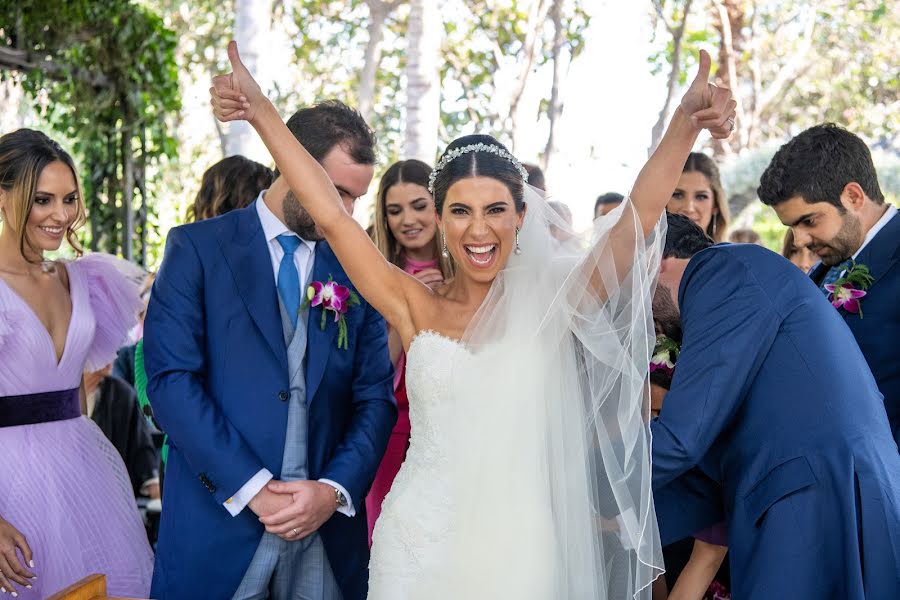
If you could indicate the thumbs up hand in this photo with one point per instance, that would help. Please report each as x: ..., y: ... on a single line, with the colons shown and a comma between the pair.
x: 236, y: 95
x: 709, y: 106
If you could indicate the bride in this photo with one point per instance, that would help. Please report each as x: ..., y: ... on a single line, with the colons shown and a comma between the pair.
x: 528, y: 472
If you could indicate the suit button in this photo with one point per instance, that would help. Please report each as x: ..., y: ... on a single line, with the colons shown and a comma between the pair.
x: 283, y: 396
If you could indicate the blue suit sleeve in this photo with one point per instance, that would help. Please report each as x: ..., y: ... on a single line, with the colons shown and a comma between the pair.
x: 689, y: 504
x: 175, y: 360
x: 375, y: 412
x: 729, y: 324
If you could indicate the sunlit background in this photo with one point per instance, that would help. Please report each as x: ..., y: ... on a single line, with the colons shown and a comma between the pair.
x: 123, y: 85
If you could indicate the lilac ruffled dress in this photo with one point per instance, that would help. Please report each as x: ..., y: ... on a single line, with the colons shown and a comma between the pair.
x: 62, y: 484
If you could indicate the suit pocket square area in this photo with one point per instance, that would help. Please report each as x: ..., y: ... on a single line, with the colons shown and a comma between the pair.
x: 780, y: 482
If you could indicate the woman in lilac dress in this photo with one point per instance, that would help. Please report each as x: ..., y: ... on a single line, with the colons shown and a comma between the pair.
x: 67, y: 509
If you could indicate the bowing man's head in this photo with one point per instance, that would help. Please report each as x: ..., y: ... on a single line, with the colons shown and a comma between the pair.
x: 684, y: 239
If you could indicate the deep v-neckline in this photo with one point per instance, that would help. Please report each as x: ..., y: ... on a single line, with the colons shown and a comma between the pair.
x: 48, y: 337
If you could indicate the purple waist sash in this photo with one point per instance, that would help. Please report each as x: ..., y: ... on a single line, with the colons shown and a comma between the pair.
x: 30, y: 409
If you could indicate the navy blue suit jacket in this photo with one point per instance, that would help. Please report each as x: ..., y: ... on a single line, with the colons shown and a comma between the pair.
x: 218, y: 381
x: 774, y: 418
x: 877, y: 332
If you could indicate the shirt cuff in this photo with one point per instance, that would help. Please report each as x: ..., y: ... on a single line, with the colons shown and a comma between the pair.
x: 147, y: 484
x: 348, y: 510
x: 248, y: 491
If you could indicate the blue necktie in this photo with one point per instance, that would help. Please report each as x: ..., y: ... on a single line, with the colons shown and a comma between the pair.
x: 833, y: 274
x: 288, y: 278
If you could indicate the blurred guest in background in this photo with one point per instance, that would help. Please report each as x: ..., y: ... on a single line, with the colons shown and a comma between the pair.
x: 535, y: 176
x: 112, y: 405
x: 231, y: 183
x: 606, y: 203
x: 744, y: 236
x: 802, y: 256
x: 700, y: 196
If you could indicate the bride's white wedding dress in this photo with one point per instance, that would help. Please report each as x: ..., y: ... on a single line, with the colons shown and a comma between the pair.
x: 527, y: 474
x: 414, y: 514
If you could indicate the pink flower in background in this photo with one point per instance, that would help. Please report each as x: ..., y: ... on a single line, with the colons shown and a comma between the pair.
x: 845, y: 296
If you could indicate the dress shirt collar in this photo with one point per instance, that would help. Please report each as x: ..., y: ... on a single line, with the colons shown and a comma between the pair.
x: 884, y: 220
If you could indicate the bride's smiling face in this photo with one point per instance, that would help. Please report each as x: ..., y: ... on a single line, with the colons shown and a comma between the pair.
x: 479, y: 221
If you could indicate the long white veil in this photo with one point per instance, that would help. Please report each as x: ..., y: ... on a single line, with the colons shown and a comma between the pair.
x: 549, y: 488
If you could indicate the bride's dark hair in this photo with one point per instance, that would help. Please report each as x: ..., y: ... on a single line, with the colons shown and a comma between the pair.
x: 478, y: 164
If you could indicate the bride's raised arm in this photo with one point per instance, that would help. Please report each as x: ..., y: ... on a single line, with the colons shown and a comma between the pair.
x: 237, y: 96
x: 704, y: 106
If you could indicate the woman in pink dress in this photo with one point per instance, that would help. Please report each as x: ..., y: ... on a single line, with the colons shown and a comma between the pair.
x: 406, y: 232
x: 67, y: 509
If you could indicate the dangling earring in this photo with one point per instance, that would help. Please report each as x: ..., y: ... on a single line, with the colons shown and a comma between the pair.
x: 518, y: 250
x: 714, y: 225
x: 444, y: 252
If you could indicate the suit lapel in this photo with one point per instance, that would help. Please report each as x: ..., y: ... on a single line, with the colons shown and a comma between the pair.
x: 321, y: 343
x: 248, y: 257
x: 883, y: 251
x: 817, y: 273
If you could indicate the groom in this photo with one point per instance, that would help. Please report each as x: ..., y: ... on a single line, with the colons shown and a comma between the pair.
x: 773, y: 415
x: 276, y: 430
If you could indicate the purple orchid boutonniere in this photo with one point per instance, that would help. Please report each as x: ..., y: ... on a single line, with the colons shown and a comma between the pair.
x: 335, y: 298
x: 850, y: 289
x: 665, y: 355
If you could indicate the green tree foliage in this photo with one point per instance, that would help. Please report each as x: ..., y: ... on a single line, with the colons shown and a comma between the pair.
x: 108, y: 73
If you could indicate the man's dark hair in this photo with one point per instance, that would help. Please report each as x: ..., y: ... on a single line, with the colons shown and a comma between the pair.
x: 331, y: 123
x: 817, y: 165
x: 608, y: 198
x: 535, y: 176
x: 684, y: 238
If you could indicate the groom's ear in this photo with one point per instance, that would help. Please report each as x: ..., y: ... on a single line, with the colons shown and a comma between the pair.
x: 853, y: 198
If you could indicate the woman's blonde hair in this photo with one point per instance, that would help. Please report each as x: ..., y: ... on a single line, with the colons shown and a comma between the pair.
x: 405, y: 171
x: 23, y: 156
x: 698, y: 162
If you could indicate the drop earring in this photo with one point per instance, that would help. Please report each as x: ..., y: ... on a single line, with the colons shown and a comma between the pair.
x: 714, y: 220
x: 518, y: 250
x: 444, y: 252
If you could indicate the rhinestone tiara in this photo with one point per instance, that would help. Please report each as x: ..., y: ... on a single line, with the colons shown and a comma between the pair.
x: 479, y: 147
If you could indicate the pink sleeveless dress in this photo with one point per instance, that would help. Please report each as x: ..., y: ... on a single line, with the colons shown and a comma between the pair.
x: 62, y: 484
x: 399, y: 442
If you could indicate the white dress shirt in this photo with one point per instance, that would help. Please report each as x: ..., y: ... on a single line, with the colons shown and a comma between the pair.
x: 303, y: 260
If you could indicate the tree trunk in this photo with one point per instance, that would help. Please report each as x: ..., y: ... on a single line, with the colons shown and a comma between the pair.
x: 554, y: 111
x: 251, y: 30
x: 536, y: 17
x: 378, y: 14
x: 127, y: 183
x: 423, y: 81
x: 729, y: 22
x: 677, y: 38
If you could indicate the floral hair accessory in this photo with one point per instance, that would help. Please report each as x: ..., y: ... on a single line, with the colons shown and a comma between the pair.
x: 850, y: 288
x: 452, y: 155
x: 332, y: 297
x: 665, y: 355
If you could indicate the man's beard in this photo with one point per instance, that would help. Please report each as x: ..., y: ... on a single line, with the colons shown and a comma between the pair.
x: 666, y: 315
x: 844, y: 244
x: 298, y: 220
